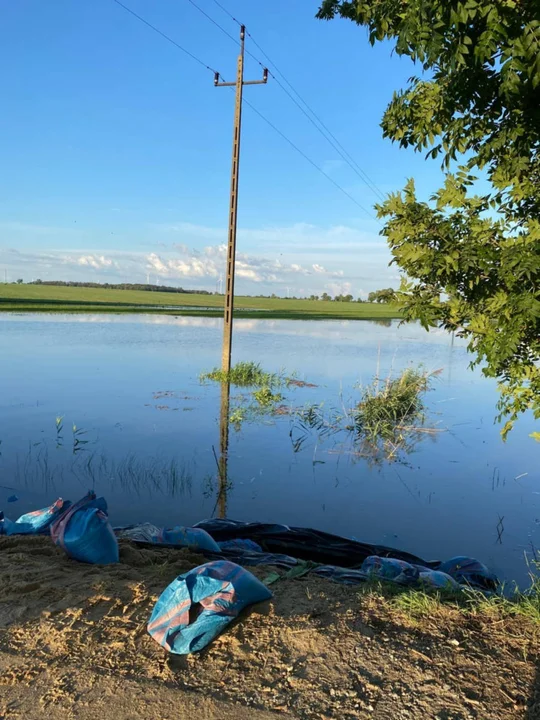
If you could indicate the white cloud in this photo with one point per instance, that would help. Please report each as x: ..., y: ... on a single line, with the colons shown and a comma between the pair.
x: 210, y: 263
x: 306, y: 258
x: 344, y: 288
x: 98, y: 262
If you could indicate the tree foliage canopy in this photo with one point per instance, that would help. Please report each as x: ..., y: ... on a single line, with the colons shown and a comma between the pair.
x: 472, y: 262
x: 385, y: 295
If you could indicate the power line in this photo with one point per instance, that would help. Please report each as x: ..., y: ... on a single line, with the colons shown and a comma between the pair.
x: 163, y: 35
x: 330, y: 137
x: 227, y: 12
x: 263, y: 117
x: 214, y: 22
x: 334, y: 143
x: 311, y: 115
x: 225, y: 32
x: 306, y: 157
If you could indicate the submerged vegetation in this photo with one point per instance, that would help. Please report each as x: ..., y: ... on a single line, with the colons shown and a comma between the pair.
x: 391, y: 411
x: 250, y: 375
x: 387, y: 405
x: 244, y: 374
x: 266, y: 398
x: 384, y: 424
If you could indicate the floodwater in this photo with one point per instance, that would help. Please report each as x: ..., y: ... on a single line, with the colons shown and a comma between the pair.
x: 114, y: 403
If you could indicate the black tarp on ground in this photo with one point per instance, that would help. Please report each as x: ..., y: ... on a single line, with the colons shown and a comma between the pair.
x: 305, y: 543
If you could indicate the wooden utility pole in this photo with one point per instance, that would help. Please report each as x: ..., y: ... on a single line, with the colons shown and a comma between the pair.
x: 231, y: 244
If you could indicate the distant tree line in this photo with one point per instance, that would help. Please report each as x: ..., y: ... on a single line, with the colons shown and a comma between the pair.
x: 385, y: 295
x: 120, y: 286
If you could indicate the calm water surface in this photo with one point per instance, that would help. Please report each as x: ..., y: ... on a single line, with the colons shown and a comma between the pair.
x: 147, y: 430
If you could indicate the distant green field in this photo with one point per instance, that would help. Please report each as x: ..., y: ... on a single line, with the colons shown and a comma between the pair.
x: 45, y: 298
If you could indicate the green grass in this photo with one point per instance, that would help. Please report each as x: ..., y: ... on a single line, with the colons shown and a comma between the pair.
x: 46, y: 298
x: 244, y: 374
x: 423, y: 604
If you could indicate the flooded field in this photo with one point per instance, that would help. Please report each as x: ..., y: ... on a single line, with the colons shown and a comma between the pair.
x: 115, y: 403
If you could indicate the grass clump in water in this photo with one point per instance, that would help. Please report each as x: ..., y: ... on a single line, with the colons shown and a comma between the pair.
x: 244, y: 374
x: 266, y: 398
x: 391, y: 410
x: 385, y: 406
x: 237, y: 417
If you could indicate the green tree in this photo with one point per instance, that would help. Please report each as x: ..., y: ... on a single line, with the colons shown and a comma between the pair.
x: 20, y: 281
x: 472, y: 261
x: 385, y: 295
x: 326, y: 297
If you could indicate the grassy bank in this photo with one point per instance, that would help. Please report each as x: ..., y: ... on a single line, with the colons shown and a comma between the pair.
x: 43, y: 298
x: 73, y: 644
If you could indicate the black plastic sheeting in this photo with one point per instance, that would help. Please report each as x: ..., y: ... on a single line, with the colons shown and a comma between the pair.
x: 330, y: 556
x: 304, y: 543
x: 346, y: 576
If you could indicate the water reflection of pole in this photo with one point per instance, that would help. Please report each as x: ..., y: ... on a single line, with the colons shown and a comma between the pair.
x: 223, y: 449
x: 451, y: 357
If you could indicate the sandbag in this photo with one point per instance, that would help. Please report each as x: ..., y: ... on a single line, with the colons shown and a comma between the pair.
x: 469, y: 571
x: 35, y: 522
x: 190, y: 537
x: 85, y: 533
x: 240, y: 544
x: 177, y: 536
x: 197, y: 606
x: 390, y: 569
x: 438, y: 579
x: 141, y: 533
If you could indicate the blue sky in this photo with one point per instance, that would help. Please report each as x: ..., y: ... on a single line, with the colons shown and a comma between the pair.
x: 116, y: 147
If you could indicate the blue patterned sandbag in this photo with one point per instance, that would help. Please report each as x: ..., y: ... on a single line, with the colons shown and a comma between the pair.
x: 180, y: 536
x: 241, y: 544
x: 469, y: 571
x: 5, y: 524
x: 438, y: 579
x: 85, y: 533
x: 35, y: 522
x: 390, y: 569
x: 189, y: 537
x: 197, y: 606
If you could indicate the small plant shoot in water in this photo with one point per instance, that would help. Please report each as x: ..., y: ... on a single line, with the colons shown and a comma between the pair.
x: 59, y: 428
x: 78, y: 442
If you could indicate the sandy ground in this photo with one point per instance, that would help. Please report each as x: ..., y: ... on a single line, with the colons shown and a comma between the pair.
x: 73, y: 644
